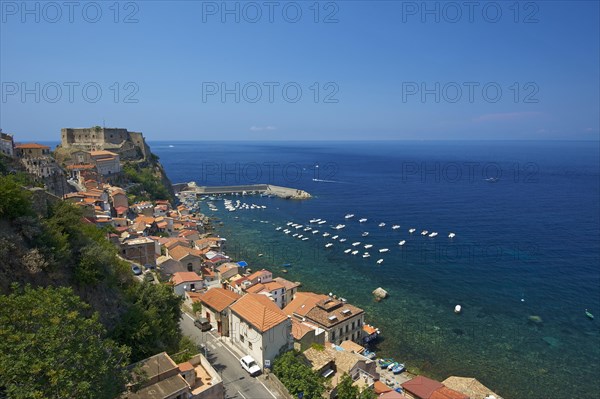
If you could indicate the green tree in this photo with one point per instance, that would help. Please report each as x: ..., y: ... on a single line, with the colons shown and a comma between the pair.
x: 52, y: 347
x: 151, y: 323
x: 345, y: 389
x: 14, y: 200
x: 297, y: 377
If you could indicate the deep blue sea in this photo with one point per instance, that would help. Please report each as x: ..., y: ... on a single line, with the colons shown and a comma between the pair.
x: 524, y: 264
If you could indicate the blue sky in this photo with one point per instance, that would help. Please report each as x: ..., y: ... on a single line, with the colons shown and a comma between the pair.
x: 185, y: 70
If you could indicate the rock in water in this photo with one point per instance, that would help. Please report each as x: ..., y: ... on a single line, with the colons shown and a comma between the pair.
x: 535, y: 319
x: 380, y: 294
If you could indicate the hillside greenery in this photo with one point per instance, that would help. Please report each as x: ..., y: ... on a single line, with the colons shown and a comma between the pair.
x: 148, y: 182
x: 76, y: 316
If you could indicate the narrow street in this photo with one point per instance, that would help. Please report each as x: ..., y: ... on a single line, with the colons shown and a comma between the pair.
x: 237, y: 382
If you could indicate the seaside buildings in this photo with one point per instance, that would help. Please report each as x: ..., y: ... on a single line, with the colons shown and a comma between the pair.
x: 128, y: 145
x: 159, y: 377
x: 259, y: 328
x: 7, y: 144
x: 339, y: 320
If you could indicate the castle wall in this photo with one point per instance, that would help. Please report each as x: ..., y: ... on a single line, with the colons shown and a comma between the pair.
x: 129, y: 145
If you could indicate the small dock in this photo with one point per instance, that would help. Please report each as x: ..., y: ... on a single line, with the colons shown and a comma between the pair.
x: 266, y: 189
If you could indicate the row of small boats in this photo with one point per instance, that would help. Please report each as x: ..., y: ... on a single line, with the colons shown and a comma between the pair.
x: 391, y: 365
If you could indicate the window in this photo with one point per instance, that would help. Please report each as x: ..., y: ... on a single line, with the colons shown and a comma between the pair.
x: 333, y: 335
x: 241, y: 338
x: 190, y: 267
x: 347, y: 327
x: 249, y: 345
x: 353, y: 325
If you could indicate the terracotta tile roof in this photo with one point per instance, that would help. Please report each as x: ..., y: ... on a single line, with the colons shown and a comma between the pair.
x: 219, y: 298
x: 121, y: 209
x: 318, y: 358
x: 288, y: 285
x: 351, y: 346
x: 31, y: 146
x: 469, y: 386
x: 258, y: 274
x: 422, y: 387
x: 303, y: 303
x: 162, y: 225
x: 102, y: 154
x: 180, y: 252
x: 447, y: 393
x: 184, y: 277
x: 194, y: 296
x: 259, y: 311
x: 326, y: 308
x: 173, y: 242
x: 226, y: 267
x: 300, y: 329
x: 380, y: 387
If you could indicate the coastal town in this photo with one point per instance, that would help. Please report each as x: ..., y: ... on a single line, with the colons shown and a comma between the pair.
x: 241, y: 316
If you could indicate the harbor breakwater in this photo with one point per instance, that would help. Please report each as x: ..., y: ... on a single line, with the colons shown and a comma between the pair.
x: 267, y: 189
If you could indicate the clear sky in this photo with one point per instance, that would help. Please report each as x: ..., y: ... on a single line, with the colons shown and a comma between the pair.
x: 196, y: 70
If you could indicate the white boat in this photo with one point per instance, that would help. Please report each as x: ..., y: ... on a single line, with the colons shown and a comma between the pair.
x: 328, y: 245
x: 305, y: 238
x: 314, y: 220
x: 381, y: 224
x: 301, y: 235
x: 362, y: 220
x: 395, y: 227
x: 451, y: 235
x: 355, y: 244
x: 402, y: 242
x: 286, y: 231
x: 368, y: 246
x: 315, y: 231
x: 278, y: 228
x: 342, y: 239
x: 424, y: 232
x: 335, y: 237
x: 322, y: 222
x: 347, y: 251
x: 306, y: 228
x: 366, y: 255
x: 349, y: 216
x: 354, y: 252
x: 326, y: 234
x: 457, y: 309
x: 366, y: 233
x: 379, y: 261
x: 383, y: 250
x: 433, y: 234
x: 295, y: 235
x: 412, y: 230
x: 339, y: 226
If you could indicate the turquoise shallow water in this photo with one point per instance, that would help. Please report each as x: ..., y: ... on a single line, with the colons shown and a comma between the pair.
x: 527, y: 245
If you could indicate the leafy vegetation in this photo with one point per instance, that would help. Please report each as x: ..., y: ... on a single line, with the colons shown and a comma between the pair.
x: 297, y: 377
x: 346, y: 390
x: 54, y: 347
x: 149, y: 186
x: 53, y: 343
x: 14, y: 200
x: 151, y: 324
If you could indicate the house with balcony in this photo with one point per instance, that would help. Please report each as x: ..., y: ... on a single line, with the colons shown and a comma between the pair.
x: 260, y: 329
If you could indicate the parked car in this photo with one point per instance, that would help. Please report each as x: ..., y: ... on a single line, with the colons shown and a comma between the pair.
x: 249, y: 364
x: 136, y: 270
x: 203, y: 324
x: 149, y: 277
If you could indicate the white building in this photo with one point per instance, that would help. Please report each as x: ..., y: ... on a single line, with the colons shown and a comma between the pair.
x: 107, y: 163
x: 260, y: 329
x: 186, y: 281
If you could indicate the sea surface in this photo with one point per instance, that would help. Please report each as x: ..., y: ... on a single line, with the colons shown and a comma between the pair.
x: 524, y: 264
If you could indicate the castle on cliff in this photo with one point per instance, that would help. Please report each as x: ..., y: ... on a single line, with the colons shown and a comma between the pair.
x: 129, y: 145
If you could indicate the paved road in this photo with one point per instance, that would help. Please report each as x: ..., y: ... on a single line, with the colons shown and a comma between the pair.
x: 237, y: 382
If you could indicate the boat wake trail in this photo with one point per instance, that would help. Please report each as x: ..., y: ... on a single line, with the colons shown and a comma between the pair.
x: 328, y: 181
